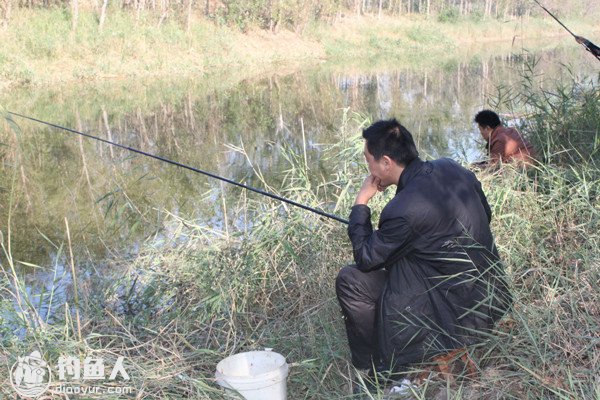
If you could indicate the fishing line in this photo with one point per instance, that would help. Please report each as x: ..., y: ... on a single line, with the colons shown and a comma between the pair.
x: 178, y: 164
x: 557, y: 20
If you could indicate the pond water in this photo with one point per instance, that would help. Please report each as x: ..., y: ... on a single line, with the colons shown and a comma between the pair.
x: 114, y: 200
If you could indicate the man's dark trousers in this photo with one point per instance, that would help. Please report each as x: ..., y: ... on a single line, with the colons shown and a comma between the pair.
x: 358, y: 294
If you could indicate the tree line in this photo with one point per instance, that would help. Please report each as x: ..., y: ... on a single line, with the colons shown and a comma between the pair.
x: 296, y: 14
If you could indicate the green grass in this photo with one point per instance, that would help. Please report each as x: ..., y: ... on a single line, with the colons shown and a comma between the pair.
x: 39, y: 47
x: 421, y: 42
x: 175, y: 309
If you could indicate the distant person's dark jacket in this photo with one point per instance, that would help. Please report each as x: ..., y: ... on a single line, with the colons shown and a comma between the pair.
x: 445, y: 281
x: 591, y: 47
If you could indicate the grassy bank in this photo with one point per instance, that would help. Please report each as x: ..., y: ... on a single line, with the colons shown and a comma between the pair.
x: 177, y: 308
x: 39, y: 47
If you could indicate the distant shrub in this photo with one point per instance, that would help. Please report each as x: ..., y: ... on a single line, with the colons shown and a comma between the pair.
x: 449, y: 15
x: 266, y: 14
x: 476, y: 15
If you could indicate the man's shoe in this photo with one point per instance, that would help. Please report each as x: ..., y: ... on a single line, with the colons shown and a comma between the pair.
x: 365, y: 383
x: 401, y: 389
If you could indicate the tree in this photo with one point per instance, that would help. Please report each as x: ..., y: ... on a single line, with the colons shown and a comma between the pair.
x: 6, y: 8
x: 74, y: 14
x: 188, y: 20
x: 102, y: 15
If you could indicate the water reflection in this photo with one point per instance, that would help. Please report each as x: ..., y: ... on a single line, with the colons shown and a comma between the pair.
x: 114, y: 199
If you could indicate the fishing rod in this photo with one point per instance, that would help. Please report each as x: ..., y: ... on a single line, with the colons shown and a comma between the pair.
x: 589, y: 46
x: 178, y: 164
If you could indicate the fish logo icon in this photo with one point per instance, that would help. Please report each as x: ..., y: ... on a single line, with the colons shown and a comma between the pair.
x: 30, y: 376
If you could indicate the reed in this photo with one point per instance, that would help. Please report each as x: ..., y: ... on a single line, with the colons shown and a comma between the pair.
x: 174, y: 310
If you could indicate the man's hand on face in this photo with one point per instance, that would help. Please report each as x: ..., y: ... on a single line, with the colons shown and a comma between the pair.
x: 380, y: 187
x: 370, y: 186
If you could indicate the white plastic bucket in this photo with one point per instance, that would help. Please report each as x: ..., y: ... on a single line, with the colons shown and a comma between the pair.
x: 254, y: 375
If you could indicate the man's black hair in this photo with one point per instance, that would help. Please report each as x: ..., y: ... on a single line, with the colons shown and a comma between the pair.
x: 389, y: 138
x: 487, y: 118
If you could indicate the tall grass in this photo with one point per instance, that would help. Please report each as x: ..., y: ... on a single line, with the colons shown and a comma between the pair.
x: 175, y: 309
x: 39, y: 47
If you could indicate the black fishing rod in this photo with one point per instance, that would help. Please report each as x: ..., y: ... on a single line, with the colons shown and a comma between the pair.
x: 588, y: 45
x: 134, y: 150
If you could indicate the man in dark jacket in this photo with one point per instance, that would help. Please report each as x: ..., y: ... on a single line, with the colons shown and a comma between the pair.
x: 589, y: 46
x: 429, y: 279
